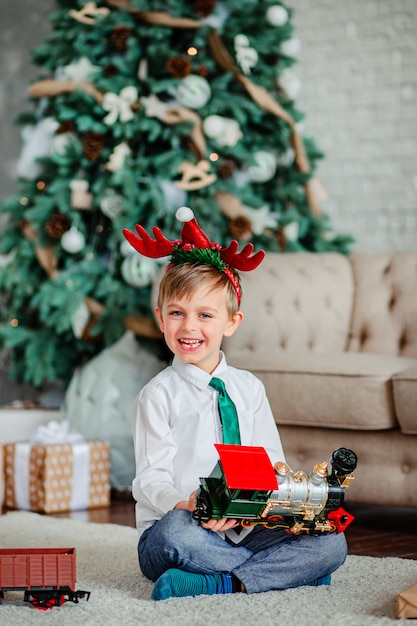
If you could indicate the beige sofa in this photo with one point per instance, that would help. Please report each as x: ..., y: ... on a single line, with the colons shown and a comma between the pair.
x: 334, y: 339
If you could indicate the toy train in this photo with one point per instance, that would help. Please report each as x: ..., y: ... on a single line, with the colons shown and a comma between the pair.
x: 45, y: 575
x: 245, y: 486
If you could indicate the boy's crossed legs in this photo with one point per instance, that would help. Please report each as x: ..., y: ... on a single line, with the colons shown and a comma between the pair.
x: 186, y: 559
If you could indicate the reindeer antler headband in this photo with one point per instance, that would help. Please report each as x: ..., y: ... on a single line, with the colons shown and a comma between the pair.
x: 195, y: 248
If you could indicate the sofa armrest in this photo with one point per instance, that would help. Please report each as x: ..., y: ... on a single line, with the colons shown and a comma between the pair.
x: 405, y: 399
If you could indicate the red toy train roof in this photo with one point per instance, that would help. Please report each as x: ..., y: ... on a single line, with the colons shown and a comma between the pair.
x: 247, y: 467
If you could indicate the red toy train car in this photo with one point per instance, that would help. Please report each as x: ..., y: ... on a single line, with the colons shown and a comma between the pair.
x: 46, y: 575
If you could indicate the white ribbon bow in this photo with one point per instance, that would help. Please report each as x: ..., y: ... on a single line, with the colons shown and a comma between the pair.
x: 119, y: 106
x: 246, y: 56
x: 54, y: 433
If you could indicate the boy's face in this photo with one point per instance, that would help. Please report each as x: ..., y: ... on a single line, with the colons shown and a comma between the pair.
x: 194, y: 326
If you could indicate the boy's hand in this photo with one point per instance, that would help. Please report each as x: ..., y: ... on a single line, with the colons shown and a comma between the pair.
x: 216, y: 525
x: 189, y: 504
x: 220, y: 525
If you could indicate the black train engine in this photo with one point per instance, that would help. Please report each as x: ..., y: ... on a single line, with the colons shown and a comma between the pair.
x: 245, y: 486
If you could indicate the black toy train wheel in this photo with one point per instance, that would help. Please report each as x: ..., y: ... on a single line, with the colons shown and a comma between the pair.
x: 45, y: 602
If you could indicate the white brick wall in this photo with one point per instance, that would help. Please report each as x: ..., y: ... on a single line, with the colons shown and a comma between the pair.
x: 358, y: 69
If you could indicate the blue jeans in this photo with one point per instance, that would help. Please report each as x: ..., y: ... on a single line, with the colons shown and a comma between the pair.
x: 266, y: 559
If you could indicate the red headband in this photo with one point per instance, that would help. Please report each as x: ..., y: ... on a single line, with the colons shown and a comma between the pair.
x: 195, y: 247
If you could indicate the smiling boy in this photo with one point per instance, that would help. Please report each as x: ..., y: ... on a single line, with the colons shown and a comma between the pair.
x: 194, y: 322
x: 176, y: 422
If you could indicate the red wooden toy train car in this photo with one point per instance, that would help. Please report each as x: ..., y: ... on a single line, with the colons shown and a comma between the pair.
x: 45, y: 575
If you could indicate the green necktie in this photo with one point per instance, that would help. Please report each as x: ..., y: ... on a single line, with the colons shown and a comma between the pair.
x: 228, y: 413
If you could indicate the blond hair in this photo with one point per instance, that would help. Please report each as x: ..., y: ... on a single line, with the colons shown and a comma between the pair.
x: 181, y: 281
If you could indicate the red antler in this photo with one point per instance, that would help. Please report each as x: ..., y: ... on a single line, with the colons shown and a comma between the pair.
x: 144, y: 244
x: 243, y: 260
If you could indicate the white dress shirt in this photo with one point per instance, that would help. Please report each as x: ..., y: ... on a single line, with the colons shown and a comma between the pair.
x: 175, y: 424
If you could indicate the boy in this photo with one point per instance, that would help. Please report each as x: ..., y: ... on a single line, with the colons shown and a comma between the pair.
x: 176, y: 422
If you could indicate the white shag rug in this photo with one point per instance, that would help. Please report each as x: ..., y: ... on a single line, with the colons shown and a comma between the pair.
x: 363, y: 591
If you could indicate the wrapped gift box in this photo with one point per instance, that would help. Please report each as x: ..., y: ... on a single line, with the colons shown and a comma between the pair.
x: 407, y: 603
x: 19, y: 420
x: 57, y: 477
x: 1, y: 478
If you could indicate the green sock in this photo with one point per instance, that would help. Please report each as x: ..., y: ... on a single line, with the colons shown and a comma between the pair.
x: 175, y: 583
x: 322, y: 580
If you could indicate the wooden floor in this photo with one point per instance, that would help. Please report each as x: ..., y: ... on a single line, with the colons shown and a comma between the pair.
x: 375, y: 531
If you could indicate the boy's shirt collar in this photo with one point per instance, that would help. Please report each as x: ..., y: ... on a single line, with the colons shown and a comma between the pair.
x: 196, y: 375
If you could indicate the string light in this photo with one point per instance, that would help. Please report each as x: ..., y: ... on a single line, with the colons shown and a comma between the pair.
x: 14, y: 322
x: 214, y: 156
x: 24, y: 201
x: 192, y: 52
x: 41, y: 185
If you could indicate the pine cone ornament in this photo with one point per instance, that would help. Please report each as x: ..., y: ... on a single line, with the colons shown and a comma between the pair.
x: 204, y: 7
x: 93, y: 144
x: 179, y: 67
x: 118, y: 37
x: 281, y: 238
x: 67, y: 126
x: 240, y: 228
x: 57, y: 225
x: 226, y: 168
x: 203, y: 71
x: 110, y: 71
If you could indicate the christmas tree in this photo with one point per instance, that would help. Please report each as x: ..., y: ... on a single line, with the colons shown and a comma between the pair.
x: 142, y: 106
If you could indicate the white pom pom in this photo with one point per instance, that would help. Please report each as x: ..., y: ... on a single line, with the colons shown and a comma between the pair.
x: 184, y: 214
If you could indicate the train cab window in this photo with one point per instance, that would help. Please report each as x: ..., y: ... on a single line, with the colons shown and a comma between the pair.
x: 244, y: 494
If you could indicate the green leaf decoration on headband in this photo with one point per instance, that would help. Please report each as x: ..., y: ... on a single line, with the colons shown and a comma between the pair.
x: 197, y: 256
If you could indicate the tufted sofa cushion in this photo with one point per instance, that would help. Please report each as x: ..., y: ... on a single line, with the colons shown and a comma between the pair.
x: 385, y: 303
x: 296, y: 302
x: 342, y: 390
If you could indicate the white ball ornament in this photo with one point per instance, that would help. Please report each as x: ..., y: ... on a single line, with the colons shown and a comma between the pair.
x: 224, y: 130
x: 213, y: 126
x: 291, y: 47
x: 137, y: 271
x: 292, y: 231
x: 126, y: 249
x: 73, y: 240
x: 264, y: 167
x: 193, y: 92
x: 111, y: 204
x: 290, y: 83
x: 286, y: 158
x: 63, y: 141
x: 277, y: 15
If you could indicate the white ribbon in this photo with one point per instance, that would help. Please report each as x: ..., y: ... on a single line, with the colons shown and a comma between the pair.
x: 55, y: 432
x: 21, y: 475
x: 119, y: 106
x: 80, y: 476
